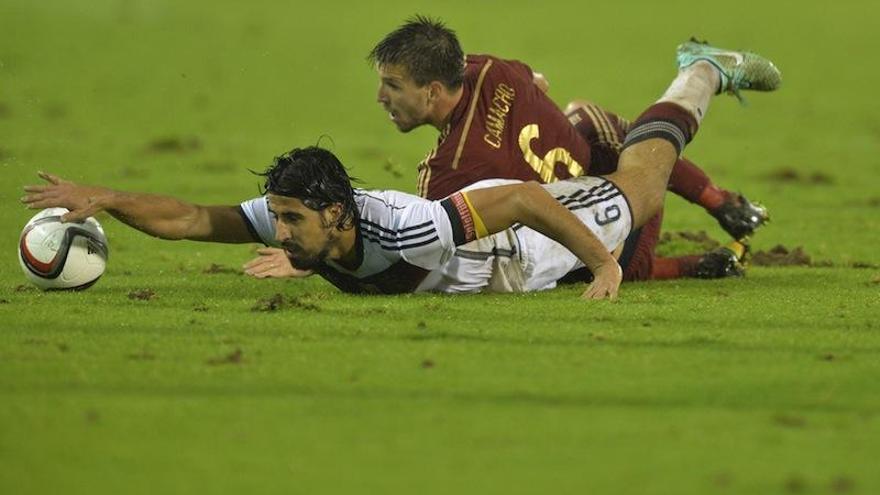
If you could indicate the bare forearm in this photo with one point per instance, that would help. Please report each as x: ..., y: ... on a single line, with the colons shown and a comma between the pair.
x: 537, y: 209
x: 159, y: 216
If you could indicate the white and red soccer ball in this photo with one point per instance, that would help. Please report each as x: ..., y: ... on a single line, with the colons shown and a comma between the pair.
x: 56, y: 255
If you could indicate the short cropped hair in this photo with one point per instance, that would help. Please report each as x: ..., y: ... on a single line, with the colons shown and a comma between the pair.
x: 317, y: 178
x: 426, y: 48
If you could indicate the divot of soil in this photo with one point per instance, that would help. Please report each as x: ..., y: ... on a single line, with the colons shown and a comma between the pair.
x: 215, y: 268
x: 55, y: 111
x: 24, y: 288
x: 779, y: 255
x: 842, y: 484
x: 62, y: 347
x: 421, y: 325
x: 201, y: 308
x: 791, y: 175
x: 428, y: 363
x: 392, y: 169
x: 789, y: 421
x: 874, y: 202
x: 876, y: 280
x: 795, y: 484
x: 864, y: 264
x: 174, y: 144
x: 92, y: 416
x: 141, y: 356
x: 4, y: 301
x: 142, y: 294
x: 278, y: 301
x: 828, y: 357
x: 235, y: 357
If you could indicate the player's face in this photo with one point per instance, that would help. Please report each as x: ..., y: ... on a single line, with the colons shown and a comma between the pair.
x: 305, y: 234
x: 406, y: 102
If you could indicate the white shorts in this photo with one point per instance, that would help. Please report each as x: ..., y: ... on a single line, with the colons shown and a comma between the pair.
x: 520, y: 259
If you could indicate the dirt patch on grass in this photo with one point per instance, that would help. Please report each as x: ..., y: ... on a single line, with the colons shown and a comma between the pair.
x: 794, y: 176
x: 780, y: 255
x: 234, y: 357
x: 842, y: 484
x: 795, y: 484
x: 874, y: 202
x: 24, y: 288
x: 215, y: 269
x: 173, y: 144
x: 278, y: 301
x: 201, y: 308
x: 142, y: 295
x: 55, y: 111
x: 428, y: 363
x: 864, y: 265
x: 141, y: 356
x: 4, y: 301
x: 789, y: 421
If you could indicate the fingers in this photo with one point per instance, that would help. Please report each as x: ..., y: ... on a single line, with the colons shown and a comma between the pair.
x: 263, y: 266
x: 52, y: 179
x: 599, y: 291
x: 265, y: 251
x: 78, y: 216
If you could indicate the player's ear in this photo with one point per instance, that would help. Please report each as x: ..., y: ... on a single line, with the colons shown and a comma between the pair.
x: 435, y: 90
x: 332, y: 214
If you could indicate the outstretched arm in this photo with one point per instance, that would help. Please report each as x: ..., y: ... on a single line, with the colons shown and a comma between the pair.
x: 160, y: 216
x: 531, y: 205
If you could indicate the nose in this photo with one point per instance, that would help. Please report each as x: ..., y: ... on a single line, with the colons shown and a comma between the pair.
x: 281, y: 233
x: 381, y: 97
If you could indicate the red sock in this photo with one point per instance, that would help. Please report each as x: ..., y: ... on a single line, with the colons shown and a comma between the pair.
x: 691, y: 183
x: 670, y: 268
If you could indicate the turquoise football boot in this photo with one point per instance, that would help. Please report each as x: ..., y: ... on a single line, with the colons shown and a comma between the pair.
x: 739, y: 70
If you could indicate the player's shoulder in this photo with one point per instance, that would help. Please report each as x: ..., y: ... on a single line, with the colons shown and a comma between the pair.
x: 500, y: 66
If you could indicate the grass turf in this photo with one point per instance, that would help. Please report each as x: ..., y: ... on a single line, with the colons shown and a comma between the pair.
x: 164, y: 378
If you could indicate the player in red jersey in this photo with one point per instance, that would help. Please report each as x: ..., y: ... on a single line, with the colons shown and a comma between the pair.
x: 495, y: 121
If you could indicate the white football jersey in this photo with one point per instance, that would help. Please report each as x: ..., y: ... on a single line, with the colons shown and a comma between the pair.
x: 408, y: 243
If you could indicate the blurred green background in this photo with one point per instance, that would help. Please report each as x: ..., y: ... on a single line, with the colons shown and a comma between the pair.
x: 761, y: 385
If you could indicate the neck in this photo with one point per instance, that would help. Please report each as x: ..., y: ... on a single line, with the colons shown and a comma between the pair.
x: 345, y: 252
x: 444, y: 107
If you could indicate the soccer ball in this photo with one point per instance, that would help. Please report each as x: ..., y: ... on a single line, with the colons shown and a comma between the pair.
x: 56, y: 255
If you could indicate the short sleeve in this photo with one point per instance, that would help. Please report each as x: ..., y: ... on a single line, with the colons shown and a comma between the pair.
x: 260, y: 221
x: 423, y: 234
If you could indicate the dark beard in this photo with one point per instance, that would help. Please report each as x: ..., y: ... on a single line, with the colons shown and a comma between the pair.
x: 302, y: 261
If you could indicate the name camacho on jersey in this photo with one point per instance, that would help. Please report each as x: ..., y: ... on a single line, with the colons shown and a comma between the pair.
x: 503, y: 127
x: 401, y: 238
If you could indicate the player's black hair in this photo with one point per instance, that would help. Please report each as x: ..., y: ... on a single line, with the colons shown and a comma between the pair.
x: 317, y: 178
x: 426, y: 48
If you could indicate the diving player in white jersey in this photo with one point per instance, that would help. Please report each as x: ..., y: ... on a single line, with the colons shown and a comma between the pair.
x: 393, y: 242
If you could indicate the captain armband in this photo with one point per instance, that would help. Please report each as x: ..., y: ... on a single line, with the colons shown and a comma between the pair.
x: 466, y: 222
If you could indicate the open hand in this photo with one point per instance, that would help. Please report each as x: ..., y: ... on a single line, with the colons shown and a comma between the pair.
x: 273, y: 263
x: 82, y: 201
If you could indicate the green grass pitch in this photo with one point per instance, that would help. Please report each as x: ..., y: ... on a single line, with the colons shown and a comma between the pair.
x: 176, y: 374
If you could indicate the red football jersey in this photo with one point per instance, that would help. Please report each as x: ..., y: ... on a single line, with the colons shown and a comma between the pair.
x: 503, y: 127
